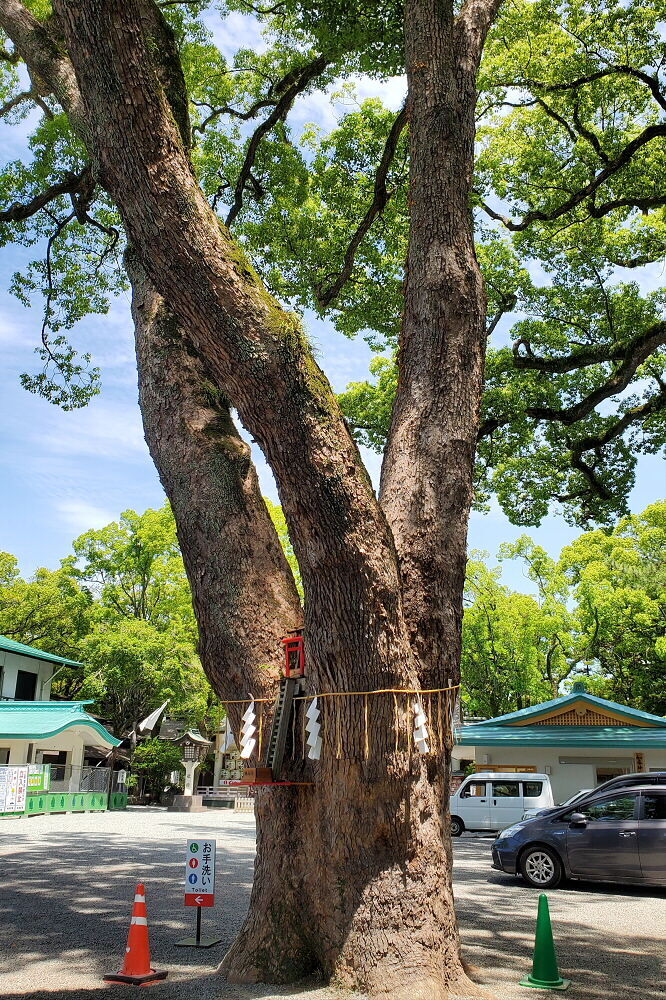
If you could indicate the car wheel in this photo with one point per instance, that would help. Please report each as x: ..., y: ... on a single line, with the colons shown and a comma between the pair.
x: 541, y: 867
x: 457, y: 826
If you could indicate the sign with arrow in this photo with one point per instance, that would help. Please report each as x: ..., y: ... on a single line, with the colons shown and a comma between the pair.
x: 200, y: 873
x: 199, y: 886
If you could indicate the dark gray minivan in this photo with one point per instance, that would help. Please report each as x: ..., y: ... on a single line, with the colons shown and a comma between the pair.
x: 618, y: 835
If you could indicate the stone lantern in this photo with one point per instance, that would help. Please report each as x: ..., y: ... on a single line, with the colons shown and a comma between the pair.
x: 194, y: 748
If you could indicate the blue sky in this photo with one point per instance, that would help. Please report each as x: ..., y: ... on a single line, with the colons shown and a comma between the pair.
x: 63, y: 473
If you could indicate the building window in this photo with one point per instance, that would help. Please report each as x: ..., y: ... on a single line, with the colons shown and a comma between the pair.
x: 26, y: 685
x: 4, y: 756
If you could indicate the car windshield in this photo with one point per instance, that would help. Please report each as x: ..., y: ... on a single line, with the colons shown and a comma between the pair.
x: 574, y: 798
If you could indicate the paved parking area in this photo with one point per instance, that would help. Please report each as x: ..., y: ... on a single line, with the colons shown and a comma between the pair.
x: 610, y: 939
x: 67, y: 884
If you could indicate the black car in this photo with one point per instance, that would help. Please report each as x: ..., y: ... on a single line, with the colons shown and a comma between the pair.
x: 619, y: 781
x: 616, y: 835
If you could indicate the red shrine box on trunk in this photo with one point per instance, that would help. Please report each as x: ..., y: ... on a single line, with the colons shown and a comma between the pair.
x: 294, y: 651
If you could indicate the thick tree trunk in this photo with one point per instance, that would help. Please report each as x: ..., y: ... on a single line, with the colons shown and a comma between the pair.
x: 353, y: 871
x: 427, y: 474
x: 244, y: 594
x: 351, y: 874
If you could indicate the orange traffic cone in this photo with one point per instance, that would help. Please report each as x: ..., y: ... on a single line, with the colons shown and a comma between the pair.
x: 136, y: 968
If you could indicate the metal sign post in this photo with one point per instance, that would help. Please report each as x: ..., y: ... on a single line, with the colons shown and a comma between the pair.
x: 199, y: 886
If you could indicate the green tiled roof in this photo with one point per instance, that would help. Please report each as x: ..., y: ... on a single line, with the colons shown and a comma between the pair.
x: 483, y: 734
x: 22, y: 650
x: 32, y: 720
x: 534, y: 711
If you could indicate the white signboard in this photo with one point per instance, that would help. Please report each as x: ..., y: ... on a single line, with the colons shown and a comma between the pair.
x: 200, y: 873
x: 13, y: 788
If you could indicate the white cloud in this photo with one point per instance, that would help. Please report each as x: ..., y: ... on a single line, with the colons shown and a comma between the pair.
x: 103, y: 429
x: 79, y: 516
x: 11, y: 334
x: 235, y: 31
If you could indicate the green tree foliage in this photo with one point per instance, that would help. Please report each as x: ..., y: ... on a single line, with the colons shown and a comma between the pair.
x: 619, y: 581
x: 280, y: 522
x: 135, y: 569
x: 517, y: 649
x: 132, y: 668
x: 568, y: 201
x: 51, y: 610
x: 122, y: 606
x: 599, y: 611
x: 141, y: 648
x: 155, y: 759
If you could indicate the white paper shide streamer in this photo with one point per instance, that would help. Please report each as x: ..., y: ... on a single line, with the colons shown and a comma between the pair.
x: 420, y: 728
x: 248, y: 729
x: 312, y: 728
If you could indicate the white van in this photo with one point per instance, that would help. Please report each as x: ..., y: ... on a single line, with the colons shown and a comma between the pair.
x: 493, y: 800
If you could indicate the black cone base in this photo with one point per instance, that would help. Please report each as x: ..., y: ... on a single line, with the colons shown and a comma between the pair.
x: 149, y: 977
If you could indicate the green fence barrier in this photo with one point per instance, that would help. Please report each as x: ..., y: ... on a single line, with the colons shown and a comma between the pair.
x: 40, y: 803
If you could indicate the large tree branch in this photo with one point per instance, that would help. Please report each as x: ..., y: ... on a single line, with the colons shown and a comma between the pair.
x: 271, y: 100
x: 632, y: 355
x: 299, y: 81
x: 617, y: 383
x: 257, y: 353
x: 611, y: 168
x: 597, y: 442
x: 473, y: 24
x: 639, y: 348
x: 632, y: 416
x: 70, y: 184
x: 235, y: 564
x: 44, y: 58
x: 651, y: 82
x: 13, y: 102
x: 225, y: 473
x: 328, y: 293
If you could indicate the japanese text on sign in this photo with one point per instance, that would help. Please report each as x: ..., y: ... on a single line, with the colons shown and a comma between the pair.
x: 200, y: 873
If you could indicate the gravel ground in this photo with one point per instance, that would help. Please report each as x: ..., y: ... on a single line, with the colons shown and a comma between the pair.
x: 67, y: 883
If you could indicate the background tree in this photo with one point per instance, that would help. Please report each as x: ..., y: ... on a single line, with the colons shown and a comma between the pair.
x: 132, y: 668
x: 135, y: 569
x: 517, y: 649
x: 620, y: 587
x: 383, y: 579
x: 51, y: 610
x: 155, y: 759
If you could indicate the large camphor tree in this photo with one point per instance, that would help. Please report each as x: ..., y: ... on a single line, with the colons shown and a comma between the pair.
x: 148, y: 139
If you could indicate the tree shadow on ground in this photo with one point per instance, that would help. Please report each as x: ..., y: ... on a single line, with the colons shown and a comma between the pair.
x: 69, y: 898
x: 65, y: 903
x: 497, y: 917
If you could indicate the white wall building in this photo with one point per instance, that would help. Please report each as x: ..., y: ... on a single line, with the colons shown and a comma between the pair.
x: 579, y: 740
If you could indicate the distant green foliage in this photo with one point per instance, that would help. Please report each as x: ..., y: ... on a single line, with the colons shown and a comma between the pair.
x: 155, y: 759
x: 50, y: 611
x: 280, y: 523
x: 122, y: 606
x: 517, y: 649
x: 619, y: 581
x: 600, y: 612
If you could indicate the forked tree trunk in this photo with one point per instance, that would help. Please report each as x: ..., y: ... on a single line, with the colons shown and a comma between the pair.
x: 366, y: 837
x: 353, y: 872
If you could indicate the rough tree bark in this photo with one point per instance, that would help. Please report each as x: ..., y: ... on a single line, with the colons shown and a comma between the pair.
x: 353, y: 872
x: 244, y: 594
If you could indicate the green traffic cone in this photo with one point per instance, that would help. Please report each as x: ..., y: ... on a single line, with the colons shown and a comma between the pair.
x: 545, y: 974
